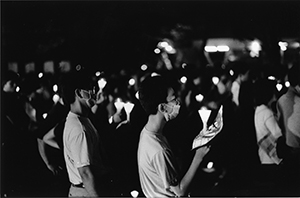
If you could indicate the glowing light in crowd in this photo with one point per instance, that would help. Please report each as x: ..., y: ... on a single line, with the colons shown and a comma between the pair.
x: 55, y: 88
x: 98, y: 73
x: 157, y: 51
x: 271, y: 78
x: 170, y: 49
x: 210, y: 48
x: 128, y: 106
x: 287, y: 84
x: 283, y: 45
x: 210, y: 165
x: 279, y: 86
x: 223, y: 48
x: 183, y: 79
x: 17, y: 89
x: 199, y: 97
x: 154, y: 74
x: 134, y: 193
x: 40, y: 75
x: 255, y: 48
x: 183, y: 65
x: 215, y: 80
x: 231, y: 72
x: 119, y: 104
x: 144, y: 67
x: 137, y: 95
x: 101, y: 83
x: 219, y: 48
x: 131, y: 81
x: 55, y: 98
x: 45, y: 115
x: 163, y: 44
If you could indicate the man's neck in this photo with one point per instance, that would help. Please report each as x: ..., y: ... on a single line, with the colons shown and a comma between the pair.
x: 155, y: 124
x: 77, y: 108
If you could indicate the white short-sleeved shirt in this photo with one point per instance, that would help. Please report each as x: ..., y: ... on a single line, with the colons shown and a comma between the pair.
x: 157, y: 169
x: 81, y: 145
x: 265, y: 123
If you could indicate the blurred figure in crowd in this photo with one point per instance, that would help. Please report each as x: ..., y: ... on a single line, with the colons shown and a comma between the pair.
x: 288, y: 108
x: 14, y: 126
x: 267, y: 134
x: 81, y: 140
x: 157, y: 165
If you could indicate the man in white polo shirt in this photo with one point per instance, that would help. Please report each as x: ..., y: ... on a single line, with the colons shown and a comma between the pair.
x: 81, y: 140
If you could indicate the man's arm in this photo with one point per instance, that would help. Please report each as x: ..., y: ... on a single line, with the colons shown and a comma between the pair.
x: 88, y: 180
x: 181, y: 188
x: 42, y: 150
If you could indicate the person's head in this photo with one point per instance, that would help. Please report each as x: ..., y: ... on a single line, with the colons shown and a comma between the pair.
x: 78, y: 85
x: 9, y: 81
x: 156, y: 94
x: 294, y: 75
x: 264, y: 91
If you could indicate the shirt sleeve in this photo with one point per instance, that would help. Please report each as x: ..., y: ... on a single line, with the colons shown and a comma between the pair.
x: 164, y: 164
x: 79, y: 149
x: 272, y: 125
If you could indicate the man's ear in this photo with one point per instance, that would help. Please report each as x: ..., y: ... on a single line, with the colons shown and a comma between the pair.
x: 78, y: 93
x: 162, y: 108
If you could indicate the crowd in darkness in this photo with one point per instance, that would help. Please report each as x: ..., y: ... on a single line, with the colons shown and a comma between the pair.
x: 245, y: 162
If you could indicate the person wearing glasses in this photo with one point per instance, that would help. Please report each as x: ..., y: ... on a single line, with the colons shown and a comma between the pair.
x: 158, y: 171
x: 81, y: 140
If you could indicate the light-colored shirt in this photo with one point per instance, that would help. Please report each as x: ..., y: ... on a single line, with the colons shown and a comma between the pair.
x: 235, y: 90
x: 81, y: 145
x: 267, y: 133
x: 156, y: 165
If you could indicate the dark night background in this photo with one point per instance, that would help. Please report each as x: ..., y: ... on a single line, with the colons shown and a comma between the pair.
x: 114, y: 35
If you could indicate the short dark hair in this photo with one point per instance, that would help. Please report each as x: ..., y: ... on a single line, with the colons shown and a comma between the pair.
x: 72, y: 81
x: 264, y: 91
x: 294, y: 75
x: 152, y: 92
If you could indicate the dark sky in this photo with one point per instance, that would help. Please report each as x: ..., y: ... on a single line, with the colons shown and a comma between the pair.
x: 121, y: 34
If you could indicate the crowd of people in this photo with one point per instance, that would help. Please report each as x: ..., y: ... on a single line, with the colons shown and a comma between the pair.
x: 111, y: 139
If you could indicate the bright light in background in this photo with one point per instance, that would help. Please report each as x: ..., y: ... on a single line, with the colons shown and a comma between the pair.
x: 163, y: 44
x: 17, y: 89
x: 55, y: 88
x: 279, y: 86
x: 210, y: 48
x: 55, y: 98
x: 128, y: 106
x: 283, y: 45
x: 199, y: 97
x: 154, y: 74
x: 183, y: 79
x: 170, y: 49
x: 119, y: 104
x: 157, y: 51
x: 40, y: 75
x: 271, y: 78
x: 45, y: 115
x: 137, y: 95
x: 131, y: 81
x: 144, y: 67
x: 287, y: 84
x: 223, y: 48
x: 101, y: 83
x: 183, y: 65
x: 210, y: 165
x: 231, y: 72
x: 215, y: 80
x: 255, y: 48
x: 134, y: 193
x: 98, y: 73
